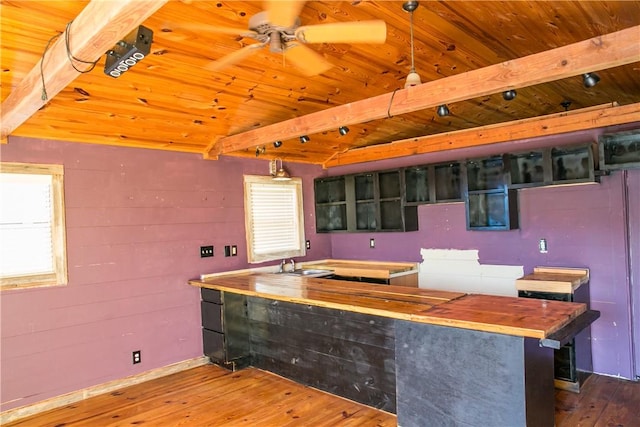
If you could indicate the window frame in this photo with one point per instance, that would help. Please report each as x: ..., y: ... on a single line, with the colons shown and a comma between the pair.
x: 254, y: 258
x: 59, y: 275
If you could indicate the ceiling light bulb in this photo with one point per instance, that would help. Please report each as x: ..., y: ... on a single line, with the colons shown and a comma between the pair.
x: 442, y: 110
x: 304, y: 138
x: 590, y: 79
x: 277, y: 144
x: 413, y: 79
x: 509, y: 95
x: 343, y: 130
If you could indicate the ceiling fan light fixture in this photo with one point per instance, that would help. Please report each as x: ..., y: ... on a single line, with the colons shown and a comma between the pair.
x: 277, y: 144
x: 343, y: 130
x: 413, y: 79
x: 590, y: 80
x: 509, y: 95
x: 443, y: 110
x: 304, y: 138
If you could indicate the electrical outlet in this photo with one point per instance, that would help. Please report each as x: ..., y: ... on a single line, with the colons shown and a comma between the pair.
x: 206, y: 251
x: 234, y: 250
x: 227, y: 250
x: 372, y: 243
x: 308, y: 244
x: 137, y: 357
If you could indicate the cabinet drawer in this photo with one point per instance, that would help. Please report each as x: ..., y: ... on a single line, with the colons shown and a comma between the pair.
x: 211, y: 295
x: 211, y: 316
x: 213, y: 344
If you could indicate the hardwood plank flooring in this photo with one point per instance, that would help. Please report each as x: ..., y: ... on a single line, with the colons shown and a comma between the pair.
x: 211, y: 396
x: 602, y: 401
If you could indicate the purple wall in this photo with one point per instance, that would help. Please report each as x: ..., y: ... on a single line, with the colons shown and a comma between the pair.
x: 585, y: 226
x: 135, y: 221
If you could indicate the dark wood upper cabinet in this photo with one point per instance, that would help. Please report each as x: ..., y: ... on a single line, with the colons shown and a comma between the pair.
x: 331, y: 204
x: 551, y: 166
x: 489, y: 203
x: 373, y: 201
x: 387, y: 200
x: 433, y: 184
x: 620, y: 150
x: 572, y: 165
x: 527, y: 169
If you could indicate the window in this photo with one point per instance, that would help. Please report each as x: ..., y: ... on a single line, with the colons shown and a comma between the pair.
x: 273, y: 218
x: 32, y: 229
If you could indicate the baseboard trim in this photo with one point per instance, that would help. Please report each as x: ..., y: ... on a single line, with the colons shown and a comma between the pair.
x: 75, y: 396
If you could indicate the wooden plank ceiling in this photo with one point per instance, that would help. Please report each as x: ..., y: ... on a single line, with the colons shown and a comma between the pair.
x: 466, y: 52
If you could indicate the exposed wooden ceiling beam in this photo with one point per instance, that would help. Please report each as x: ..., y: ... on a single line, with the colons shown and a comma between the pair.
x: 553, y: 124
x: 93, y: 32
x: 598, y: 53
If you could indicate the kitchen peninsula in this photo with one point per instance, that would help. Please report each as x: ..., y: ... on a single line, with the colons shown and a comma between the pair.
x: 432, y: 357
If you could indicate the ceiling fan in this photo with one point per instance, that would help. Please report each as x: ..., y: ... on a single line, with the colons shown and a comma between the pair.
x: 278, y: 27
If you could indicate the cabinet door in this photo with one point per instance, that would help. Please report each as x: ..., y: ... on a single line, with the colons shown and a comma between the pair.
x: 331, y: 204
x: 448, y: 182
x: 365, y: 201
x: 416, y: 180
x: 390, y: 201
x: 485, y: 174
x: 489, y: 205
x: 572, y: 165
x: 526, y: 169
x: 620, y: 150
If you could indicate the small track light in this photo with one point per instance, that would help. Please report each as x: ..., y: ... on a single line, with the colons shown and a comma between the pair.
x: 443, y: 110
x: 304, y: 138
x: 343, y: 130
x: 565, y: 104
x: 590, y: 79
x: 277, y: 144
x: 509, y: 95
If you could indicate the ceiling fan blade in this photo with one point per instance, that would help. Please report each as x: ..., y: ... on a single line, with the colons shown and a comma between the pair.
x: 308, y: 61
x: 283, y: 12
x: 234, y: 57
x: 207, y: 28
x: 344, y: 32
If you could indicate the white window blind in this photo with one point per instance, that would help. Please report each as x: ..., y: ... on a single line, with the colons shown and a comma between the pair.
x: 25, y: 224
x: 274, y: 219
x: 32, y: 242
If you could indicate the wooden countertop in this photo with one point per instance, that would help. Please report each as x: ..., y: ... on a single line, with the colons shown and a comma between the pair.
x: 373, y: 269
x: 506, y: 315
x: 553, y: 279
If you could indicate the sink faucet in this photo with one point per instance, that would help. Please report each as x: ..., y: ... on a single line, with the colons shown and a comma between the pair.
x: 293, y: 264
x: 281, y: 269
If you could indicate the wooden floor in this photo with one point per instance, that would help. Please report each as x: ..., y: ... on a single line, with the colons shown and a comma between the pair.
x: 211, y: 396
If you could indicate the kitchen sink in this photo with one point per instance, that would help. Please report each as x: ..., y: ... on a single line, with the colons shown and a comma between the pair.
x: 309, y: 272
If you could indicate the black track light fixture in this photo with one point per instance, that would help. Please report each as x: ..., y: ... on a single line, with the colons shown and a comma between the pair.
x: 590, y: 79
x: 565, y: 104
x: 509, y: 95
x: 343, y: 130
x: 304, y: 138
x: 277, y: 144
x: 443, y: 110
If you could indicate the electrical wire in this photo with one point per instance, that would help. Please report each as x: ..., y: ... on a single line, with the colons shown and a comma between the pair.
x: 70, y: 56
x: 46, y: 48
x: 73, y: 58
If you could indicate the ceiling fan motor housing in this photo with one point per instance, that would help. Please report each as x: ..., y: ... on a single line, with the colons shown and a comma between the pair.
x: 276, y: 36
